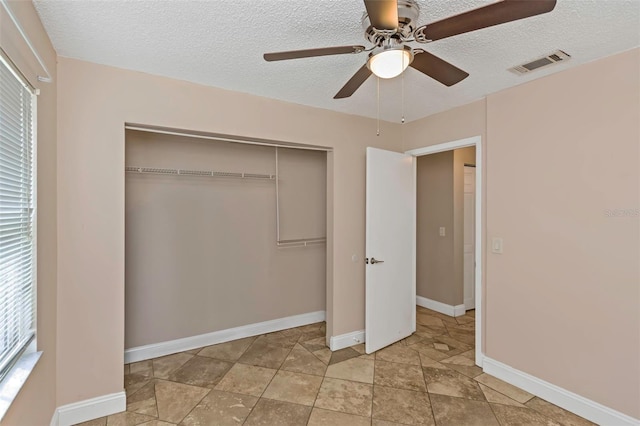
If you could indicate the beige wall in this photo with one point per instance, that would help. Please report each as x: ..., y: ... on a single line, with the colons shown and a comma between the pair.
x: 201, y: 253
x: 562, y: 303
x: 563, y: 300
x: 36, y: 401
x: 94, y: 103
x: 434, y: 253
x: 440, y: 203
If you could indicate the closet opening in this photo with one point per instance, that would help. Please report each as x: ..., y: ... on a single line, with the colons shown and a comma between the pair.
x: 225, y: 238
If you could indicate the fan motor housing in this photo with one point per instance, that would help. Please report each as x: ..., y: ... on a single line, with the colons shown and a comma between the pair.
x: 408, y: 13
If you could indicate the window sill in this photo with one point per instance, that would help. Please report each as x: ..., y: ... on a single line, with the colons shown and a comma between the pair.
x: 15, y: 379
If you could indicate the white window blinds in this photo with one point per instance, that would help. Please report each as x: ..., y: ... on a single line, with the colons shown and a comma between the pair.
x: 17, y: 296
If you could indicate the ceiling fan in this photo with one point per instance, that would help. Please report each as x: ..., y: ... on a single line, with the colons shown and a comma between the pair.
x: 390, y: 24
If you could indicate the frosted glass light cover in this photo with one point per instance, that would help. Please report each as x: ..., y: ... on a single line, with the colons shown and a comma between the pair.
x: 390, y: 63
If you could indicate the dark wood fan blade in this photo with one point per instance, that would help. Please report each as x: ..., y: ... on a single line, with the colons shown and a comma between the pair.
x: 307, y: 53
x: 438, y: 69
x: 356, y: 81
x: 487, y: 16
x: 383, y: 14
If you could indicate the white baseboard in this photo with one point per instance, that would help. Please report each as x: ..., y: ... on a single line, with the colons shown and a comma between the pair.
x: 570, y: 401
x: 89, y: 409
x: 345, y: 340
x: 443, y: 308
x: 155, y: 350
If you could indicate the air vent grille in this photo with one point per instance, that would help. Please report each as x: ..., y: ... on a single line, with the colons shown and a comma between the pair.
x: 553, y: 58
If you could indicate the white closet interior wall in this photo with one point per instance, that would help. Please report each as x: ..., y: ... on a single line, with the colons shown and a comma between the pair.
x: 201, y: 253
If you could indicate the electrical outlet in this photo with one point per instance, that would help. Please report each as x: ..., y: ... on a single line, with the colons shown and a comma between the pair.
x: 442, y: 231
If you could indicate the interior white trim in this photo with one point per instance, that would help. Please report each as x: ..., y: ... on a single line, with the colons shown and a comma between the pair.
x: 570, y: 401
x: 155, y: 350
x: 89, y: 409
x: 448, y: 146
x: 443, y: 308
x: 345, y: 340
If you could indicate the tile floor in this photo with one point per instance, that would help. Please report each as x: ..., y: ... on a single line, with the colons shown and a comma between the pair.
x: 291, y: 378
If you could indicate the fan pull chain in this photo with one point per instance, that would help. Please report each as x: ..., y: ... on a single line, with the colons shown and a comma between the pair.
x: 403, y: 72
x: 378, y: 102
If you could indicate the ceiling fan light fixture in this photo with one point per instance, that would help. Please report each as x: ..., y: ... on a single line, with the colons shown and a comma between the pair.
x: 389, y: 63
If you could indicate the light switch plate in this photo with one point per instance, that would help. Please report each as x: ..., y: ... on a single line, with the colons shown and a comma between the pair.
x: 496, y: 245
x: 442, y: 233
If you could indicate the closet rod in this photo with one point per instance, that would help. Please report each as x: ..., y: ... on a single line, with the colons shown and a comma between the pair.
x: 204, y: 173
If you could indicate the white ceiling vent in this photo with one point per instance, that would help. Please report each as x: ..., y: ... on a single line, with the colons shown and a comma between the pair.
x: 545, y: 61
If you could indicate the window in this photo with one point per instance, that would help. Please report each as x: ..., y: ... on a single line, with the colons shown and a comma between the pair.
x: 17, y: 213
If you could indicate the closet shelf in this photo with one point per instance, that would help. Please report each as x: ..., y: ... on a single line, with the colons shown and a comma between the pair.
x: 301, y: 242
x: 205, y: 173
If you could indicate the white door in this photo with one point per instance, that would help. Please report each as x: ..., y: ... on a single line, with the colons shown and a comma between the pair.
x: 390, y: 248
x: 469, y: 237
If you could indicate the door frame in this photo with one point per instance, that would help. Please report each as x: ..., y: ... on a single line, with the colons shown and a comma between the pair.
x: 449, y: 146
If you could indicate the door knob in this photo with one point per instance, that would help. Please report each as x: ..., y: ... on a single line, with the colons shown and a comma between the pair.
x: 374, y: 261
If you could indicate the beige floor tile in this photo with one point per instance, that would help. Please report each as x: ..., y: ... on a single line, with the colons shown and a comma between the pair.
x: 399, y: 376
x: 414, y: 338
x: 269, y: 353
x: 425, y: 361
x: 144, y: 368
x: 429, y: 320
x: 471, y: 354
x: 221, y: 409
x: 246, y: 379
x: 134, y: 382
x: 229, y: 351
x: 102, y: 421
x: 311, y: 335
x: 315, y: 344
x: 268, y: 412
x: 201, y: 371
x: 378, y: 422
x: 144, y: 400
x: 466, y: 337
x: 355, y: 369
x: 320, y: 417
x: 453, y: 346
x: 300, y: 360
x: 127, y: 419
x: 400, y: 353
x: 427, y: 349
x: 284, y: 338
x: 497, y: 398
x: 361, y: 348
x: 508, y: 415
x: 402, y: 406
x: 157, y: 423
x: 345, y: 396
x: 504, y: 388
x: 127, y: 370
x: 464, y: 319
x: 316, y: 326
x: 451, y: 383
x: 449, y: 411
x: 463, y: 365
x: 553, y: 411
x: 163, y: 367
x: 323, y: 355
x: 293, y: 387
x: 343, y: 355
x: 176, y: 400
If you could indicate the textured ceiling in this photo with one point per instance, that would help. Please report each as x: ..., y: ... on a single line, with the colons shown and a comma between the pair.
x: 220, y: 43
